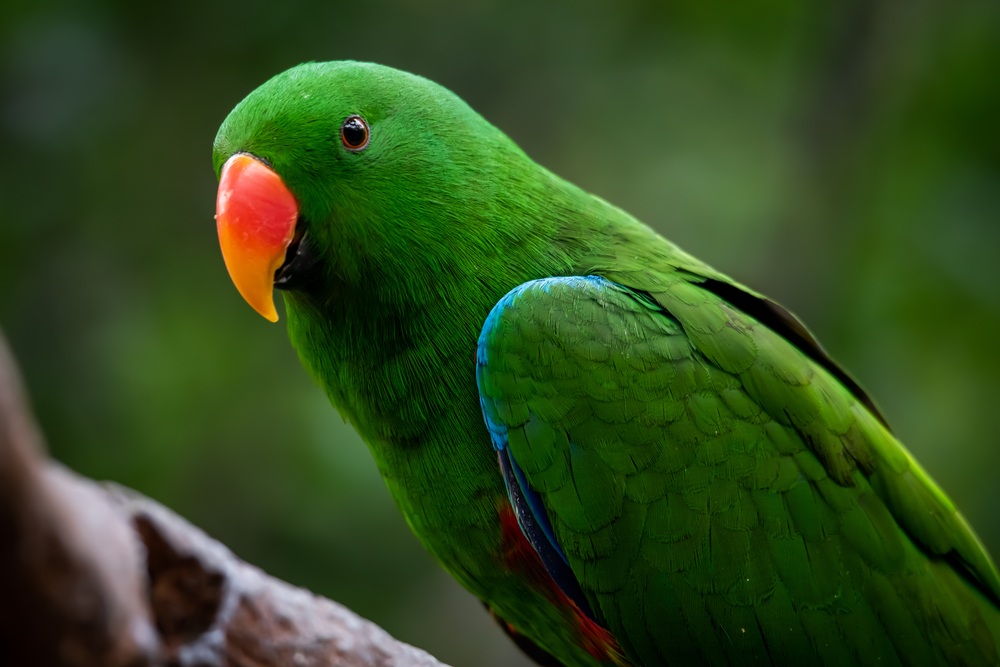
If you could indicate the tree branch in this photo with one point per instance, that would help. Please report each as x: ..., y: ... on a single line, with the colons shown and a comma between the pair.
x: 96, y: 575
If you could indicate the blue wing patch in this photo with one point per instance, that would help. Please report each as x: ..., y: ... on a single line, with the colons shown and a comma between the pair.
x: 525, y: 501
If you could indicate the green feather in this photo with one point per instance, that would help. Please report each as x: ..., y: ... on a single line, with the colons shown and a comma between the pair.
x: 778, y: 511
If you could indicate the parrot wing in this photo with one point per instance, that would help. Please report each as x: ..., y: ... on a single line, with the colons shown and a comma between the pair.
x: 711, y: 494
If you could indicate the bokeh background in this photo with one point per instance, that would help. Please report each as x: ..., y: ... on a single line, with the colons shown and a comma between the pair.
x: 842, y: 156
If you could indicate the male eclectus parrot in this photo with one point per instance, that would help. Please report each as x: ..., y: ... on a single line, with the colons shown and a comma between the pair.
x: 628, y: 456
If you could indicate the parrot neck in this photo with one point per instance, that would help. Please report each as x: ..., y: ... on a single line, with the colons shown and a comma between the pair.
x: 395, y: 351
x: 394, y: 342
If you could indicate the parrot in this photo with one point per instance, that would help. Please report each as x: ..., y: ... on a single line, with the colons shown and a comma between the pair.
x: 627, y: 456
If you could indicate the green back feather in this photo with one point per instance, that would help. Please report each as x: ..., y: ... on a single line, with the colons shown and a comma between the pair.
x: 720, y: 496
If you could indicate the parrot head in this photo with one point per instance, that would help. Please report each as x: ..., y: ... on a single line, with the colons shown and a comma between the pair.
x: 340, y: 172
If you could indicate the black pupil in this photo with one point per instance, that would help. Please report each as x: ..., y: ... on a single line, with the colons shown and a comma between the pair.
x: 355, y: 132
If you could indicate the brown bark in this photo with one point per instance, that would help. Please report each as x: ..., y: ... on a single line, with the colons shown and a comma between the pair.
x: 95, y: 575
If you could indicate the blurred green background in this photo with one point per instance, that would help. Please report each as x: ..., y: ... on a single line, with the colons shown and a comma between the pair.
x: 840, y: 156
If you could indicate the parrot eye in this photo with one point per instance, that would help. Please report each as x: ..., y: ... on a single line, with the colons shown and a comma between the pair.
x: 354, y: 133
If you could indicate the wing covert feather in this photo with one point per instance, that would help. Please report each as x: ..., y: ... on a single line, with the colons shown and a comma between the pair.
x: 719, y: 496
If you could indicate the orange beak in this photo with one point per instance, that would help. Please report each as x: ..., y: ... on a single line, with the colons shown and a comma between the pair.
x: 256, y: 216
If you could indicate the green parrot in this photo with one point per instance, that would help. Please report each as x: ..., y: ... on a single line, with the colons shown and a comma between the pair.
x: 630, y: 458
